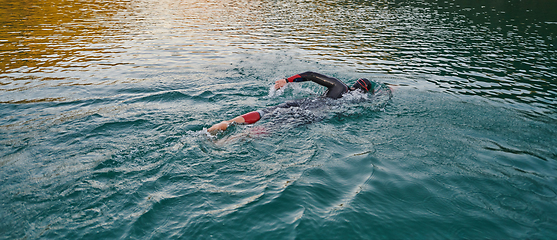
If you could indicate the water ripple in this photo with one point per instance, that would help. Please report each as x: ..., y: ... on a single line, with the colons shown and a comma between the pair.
x: 104, y: 107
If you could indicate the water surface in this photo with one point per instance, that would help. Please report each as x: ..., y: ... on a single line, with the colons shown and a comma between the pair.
x: 103, y: 106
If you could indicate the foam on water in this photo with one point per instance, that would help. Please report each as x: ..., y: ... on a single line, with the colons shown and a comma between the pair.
x: 291, y: 90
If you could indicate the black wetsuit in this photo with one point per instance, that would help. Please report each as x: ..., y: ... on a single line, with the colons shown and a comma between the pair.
x: 299, y: 110
x: 335, y: 87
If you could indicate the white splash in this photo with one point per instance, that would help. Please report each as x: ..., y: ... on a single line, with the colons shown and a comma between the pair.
x: 295, y: 88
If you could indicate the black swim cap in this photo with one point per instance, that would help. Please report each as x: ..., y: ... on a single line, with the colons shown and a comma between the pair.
x: 364, y: 84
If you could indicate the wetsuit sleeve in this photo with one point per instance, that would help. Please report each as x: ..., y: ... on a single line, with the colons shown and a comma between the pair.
x: 335, y: 88
x: 252, y: 117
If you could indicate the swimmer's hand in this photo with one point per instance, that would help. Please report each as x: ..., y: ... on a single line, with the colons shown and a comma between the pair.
x: 280, y: 83
x: 224, y: 124
x: 219, y: 126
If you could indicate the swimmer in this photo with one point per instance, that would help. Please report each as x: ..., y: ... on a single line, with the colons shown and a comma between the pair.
x: 335, y: 89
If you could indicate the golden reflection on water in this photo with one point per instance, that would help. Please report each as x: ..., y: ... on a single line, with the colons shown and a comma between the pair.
x: 46, y: 43
x: 39, y: 35
x: 44, y: 40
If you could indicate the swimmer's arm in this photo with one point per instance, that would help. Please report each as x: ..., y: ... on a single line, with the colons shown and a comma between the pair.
x: 318, y: 78
x: 224, y: 124
x: 247, y: 118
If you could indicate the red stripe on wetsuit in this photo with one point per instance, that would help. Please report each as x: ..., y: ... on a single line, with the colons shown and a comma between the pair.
x: 291, y: 79
x: 251, y: 117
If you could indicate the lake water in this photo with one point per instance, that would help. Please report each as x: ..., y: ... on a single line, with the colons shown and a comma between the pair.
x: 104, y: 107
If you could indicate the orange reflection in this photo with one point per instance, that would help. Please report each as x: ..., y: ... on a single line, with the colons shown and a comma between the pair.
x: 40, y: 34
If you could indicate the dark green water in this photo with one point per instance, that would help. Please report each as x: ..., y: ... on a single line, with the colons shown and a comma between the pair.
x: 103, y: 106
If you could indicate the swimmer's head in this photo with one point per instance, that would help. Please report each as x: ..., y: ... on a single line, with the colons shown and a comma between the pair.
x: 364, y: 84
